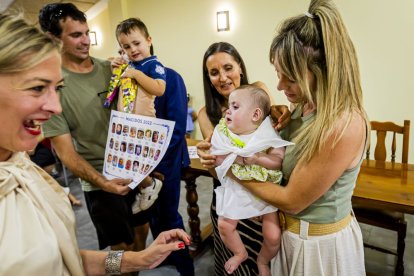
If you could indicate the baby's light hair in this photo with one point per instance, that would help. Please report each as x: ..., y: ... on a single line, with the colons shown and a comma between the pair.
x: 259, y: 97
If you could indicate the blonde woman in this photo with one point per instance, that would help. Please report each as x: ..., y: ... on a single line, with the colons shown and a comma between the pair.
x: 37, y: 224
x: 317, y: 68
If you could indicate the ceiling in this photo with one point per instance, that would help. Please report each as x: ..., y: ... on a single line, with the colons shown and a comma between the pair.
x: 30, y: 8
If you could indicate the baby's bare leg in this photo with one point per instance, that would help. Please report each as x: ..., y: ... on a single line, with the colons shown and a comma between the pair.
x: 232, y: 240
x: 271, y: 243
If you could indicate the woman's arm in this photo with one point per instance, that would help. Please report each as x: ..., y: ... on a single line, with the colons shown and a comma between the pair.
x: 152, y: 256
x: 194, y: 115
x: 206, y: 126
x: 310, y: 180
x: 203, y: 148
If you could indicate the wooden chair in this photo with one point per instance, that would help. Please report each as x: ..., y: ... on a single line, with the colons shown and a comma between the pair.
x: 394, y: 221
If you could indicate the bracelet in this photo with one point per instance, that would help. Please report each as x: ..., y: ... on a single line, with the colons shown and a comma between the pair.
x: 113, y: 262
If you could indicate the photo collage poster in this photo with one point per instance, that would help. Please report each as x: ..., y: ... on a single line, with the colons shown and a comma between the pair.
x: 135, y: 145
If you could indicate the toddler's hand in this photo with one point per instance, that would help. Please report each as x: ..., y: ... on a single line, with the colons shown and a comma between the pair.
x: 117, y: 62
x: 129, y: 73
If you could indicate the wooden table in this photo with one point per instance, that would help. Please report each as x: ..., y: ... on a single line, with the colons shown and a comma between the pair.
x: 385, y: 185
x: 190, y: 175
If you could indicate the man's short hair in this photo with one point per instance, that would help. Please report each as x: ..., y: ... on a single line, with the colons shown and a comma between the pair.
x: 51, y: 14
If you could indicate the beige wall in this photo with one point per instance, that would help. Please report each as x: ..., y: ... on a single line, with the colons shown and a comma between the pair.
x: 183, y: 29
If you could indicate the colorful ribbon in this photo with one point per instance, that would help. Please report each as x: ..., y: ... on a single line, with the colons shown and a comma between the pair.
x: 127, y: 86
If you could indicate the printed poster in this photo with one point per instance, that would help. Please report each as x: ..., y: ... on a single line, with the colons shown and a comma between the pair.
x: 135, y: 145
x: 192, y: 152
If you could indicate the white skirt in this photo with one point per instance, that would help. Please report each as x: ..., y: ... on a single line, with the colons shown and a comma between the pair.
x: 337, y: 254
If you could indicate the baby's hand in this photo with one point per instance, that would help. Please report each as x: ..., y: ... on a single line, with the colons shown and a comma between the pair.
x: 129, y: 73
x: 220, y: 159
x: 251, y: 160
x: 239, y: 160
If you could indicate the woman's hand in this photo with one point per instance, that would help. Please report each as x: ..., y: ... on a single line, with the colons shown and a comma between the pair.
x: 203, y: 150
x: 163, y: 245
x: 150, y: 257
x: 280, y: 115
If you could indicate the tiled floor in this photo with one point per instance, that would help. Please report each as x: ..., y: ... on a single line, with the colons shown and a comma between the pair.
x: 377, y: 263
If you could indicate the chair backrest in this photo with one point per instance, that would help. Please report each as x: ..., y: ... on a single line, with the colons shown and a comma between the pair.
x: 380, y: 149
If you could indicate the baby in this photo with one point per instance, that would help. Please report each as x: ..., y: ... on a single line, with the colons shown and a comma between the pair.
x: 245, y: 142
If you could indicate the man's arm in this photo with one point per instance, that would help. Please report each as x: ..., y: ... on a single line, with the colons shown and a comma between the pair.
x: 66, y: 152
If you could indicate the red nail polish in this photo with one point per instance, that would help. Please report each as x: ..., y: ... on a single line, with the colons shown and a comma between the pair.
x: 181, y: 245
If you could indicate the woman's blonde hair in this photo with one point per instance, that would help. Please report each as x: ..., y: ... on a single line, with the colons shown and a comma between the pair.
x: 318, y: 42
x: 22, y: 46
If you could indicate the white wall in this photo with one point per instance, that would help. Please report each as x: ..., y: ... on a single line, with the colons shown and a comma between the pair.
x: 183, y: 29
